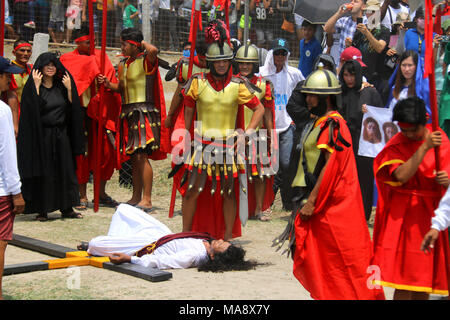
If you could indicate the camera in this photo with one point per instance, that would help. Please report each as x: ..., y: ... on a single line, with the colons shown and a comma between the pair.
x: 359, y: 20
x: 391, y: 62
x: 410, y: 25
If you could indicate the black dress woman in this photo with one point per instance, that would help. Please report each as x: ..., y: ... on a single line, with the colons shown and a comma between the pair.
x: 50, y: 136
x: 355, y: 97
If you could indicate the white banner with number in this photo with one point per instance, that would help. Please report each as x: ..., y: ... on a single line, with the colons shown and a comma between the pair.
x: 376, y: 130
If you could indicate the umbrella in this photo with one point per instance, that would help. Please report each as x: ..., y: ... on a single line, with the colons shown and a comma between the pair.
x: 317, y: 11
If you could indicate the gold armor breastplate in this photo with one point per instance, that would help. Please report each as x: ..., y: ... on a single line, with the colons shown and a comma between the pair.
x: 248, y: 113
x: 312, y: 157
x: 137, y: 82
x: 217, y: 110
x: 20, y: 79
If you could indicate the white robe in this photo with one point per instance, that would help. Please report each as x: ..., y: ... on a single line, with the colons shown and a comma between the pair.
x: 132, y: 229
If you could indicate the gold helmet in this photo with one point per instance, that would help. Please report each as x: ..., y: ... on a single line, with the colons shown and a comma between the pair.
x: 247, y: 53
x: 217, y: 53
x: 322, y: 82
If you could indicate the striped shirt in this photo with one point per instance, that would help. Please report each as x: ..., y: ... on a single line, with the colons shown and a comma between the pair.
x: 345, y: 27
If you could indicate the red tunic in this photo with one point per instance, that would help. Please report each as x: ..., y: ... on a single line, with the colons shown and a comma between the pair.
x: 403, y: 217
x: 84, y: 69
x: 333, y: 248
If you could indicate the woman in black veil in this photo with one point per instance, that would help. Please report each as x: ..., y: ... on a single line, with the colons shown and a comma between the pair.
x: 50, y: 136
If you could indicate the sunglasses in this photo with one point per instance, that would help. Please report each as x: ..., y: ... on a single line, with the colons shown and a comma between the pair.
x: 280, y: 53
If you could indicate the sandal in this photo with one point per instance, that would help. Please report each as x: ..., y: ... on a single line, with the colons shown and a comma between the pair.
x: 72, y: 215
x: 263, y: 216
x: 83, y: 205
x: 145, y: 209
x: 107, y: 202
x: 42, y: 217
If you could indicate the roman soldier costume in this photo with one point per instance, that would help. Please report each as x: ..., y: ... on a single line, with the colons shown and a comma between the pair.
x: 143, y: 109
x: 259, y: 162
x: 213, y: 160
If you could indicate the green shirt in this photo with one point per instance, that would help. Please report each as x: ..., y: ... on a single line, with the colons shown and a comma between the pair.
x: 127, y: 21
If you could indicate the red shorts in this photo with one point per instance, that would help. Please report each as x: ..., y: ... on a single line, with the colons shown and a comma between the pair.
x: 6, y: 218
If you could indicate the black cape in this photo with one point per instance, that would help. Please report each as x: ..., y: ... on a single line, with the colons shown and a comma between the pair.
x: 50, y: 137
x: 351, y: 110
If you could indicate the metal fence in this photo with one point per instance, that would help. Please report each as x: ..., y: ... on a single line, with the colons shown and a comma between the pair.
x: 167, y: 25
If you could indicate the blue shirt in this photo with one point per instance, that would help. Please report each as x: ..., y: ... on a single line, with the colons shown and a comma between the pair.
x: 415, y: 41
x: 308, y: 54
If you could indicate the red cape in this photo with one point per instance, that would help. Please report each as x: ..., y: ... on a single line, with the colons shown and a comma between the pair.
x: 269, y: 195
x: 84, y: 70
x: 160, y: 104
x: 403, y: 217
x: 333, y: 249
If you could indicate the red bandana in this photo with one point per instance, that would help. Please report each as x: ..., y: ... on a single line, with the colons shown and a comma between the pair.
x: 21, y: 46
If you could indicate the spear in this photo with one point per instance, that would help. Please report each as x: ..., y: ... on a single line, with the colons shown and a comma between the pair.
x: 430, y: 73
x: 195, y: 22
x: 91, y: 28
x: 102, y: 110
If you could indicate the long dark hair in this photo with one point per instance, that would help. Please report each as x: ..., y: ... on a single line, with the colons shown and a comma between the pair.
x: 400, y: 79
x: 231, y: 259
x: 377, y: 131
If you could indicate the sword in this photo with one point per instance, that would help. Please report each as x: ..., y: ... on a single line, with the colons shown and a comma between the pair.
x: 243, y: 197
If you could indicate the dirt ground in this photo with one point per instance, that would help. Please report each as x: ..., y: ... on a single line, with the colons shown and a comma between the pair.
x: 273, y: 281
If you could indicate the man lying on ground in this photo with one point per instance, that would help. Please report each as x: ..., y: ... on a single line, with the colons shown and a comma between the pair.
x: 137, y: 237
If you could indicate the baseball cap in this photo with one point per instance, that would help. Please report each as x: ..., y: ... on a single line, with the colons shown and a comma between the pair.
x: 373, y: 5
x: 280, y: 44
x: 352, y: 53
x: 7, y: 66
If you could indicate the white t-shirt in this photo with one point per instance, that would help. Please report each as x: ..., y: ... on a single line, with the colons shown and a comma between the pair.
x: 391, y: 12
x: 284, y: 82
x: 402, y: 95
x: 9, y: 174
x: 441, y: 220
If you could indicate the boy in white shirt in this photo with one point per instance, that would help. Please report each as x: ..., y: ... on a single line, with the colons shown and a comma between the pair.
x: 11, y: 201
